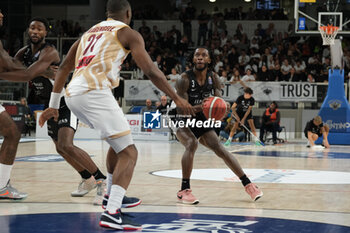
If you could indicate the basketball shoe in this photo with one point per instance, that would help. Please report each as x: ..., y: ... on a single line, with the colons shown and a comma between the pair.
x: 9, y: 192
x: 128, y: 202
x: 119, y: 221
x: 186, y: 197
x: 100, y: 191
x: 254, y: 192
x: 85, y: 186
x: 227, y: 143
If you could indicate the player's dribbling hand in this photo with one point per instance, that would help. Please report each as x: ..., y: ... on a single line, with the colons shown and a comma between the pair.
x: 47, y: 114
x: 186, y: 108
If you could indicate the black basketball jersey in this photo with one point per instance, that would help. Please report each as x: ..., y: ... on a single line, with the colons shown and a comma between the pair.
x: 310, y: 126
x: 243, y: 104
x: 41, y: 86
x: 197, y: 93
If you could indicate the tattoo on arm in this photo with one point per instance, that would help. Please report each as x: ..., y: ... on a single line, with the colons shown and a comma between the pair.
x: 182, y: 85
x: 217, y: 85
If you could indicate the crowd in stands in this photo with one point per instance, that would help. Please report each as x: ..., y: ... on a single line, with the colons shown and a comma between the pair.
x: 269, y: 55
x: 149, y: 12
x: 65, y: 28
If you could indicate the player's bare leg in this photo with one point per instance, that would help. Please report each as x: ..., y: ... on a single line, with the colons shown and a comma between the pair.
x: 190, y: 142
x: 84, y: 162
x: 112, y: 161
x: 87, y: 183
x: 252, y: 126
x: 232, y: 133
x: 11, y: 135
x: 211, y: 140
x: 8, y: 152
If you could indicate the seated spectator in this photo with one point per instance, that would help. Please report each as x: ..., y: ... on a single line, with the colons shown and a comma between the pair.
x: 248, y: 77
x: 223, y: 77
x: 235, y: 40
x: 256, y: 36
x: 225, y: 133
x: 264, y: 75
x: 145, y: 31
x: 148, y: 107
x: 159, y: 63
x: 314, y: 67
x: 270, y: 122
x: 293, y: 77
x: 232, y: 57
x: 300, y: 70
x: 310, y: 78
x: 218, y: 64
x: 236, y: 77
x: 173, y: 76
x: 244, y: 59
x: 23, y: 109
x: 254, y: 44
x: 324, y: 71
x: 276, y: 72
x: 163, y: 105
x: 253, y: 65
x: 285, y: 70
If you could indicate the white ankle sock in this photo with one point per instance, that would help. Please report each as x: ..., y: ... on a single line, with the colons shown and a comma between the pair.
x: 115, y: 198
x: 109, y: 183
x: 5, y: 172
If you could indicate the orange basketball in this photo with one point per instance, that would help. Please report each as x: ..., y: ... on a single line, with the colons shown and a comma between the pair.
x: 214, y: 108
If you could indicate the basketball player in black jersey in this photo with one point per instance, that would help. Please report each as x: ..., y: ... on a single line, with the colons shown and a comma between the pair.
x: 195, y: 85
x: 62, y: 131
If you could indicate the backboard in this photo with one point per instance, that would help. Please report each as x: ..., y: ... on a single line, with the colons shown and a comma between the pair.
x: 311, y: 14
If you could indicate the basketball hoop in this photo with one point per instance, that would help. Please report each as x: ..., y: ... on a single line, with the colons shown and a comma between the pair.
x: 328, y: 34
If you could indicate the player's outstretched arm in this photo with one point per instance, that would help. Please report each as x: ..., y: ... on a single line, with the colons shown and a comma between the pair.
x: 48, y: 56
x: 133, y: 40
x: 65, y: 68
x: 7, y: 62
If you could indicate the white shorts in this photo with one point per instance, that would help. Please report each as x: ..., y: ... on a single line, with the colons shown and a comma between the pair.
x: 2, y: 109
x: 100, y: 111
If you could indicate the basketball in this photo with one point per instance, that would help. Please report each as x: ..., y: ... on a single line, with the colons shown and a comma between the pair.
x: 214, y: 108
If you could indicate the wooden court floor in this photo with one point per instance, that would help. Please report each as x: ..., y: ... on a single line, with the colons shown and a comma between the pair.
x: 310, y: 186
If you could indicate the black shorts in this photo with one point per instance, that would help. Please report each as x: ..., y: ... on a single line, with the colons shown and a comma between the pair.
x: 319, y: 134
x: 241, y: 115
x: 65, y: 119
x: 197, y: 131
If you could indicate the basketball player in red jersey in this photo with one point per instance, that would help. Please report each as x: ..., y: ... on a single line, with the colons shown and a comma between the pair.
x: 195, y: 85
x: 97, y: 58
x: 43, y: 54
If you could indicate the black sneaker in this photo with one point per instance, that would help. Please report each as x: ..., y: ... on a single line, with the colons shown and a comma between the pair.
x: 128, y: 202
x: 119, y: 221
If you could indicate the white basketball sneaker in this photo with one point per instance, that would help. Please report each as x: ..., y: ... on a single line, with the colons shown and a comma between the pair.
x: 85, y: 186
